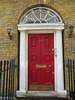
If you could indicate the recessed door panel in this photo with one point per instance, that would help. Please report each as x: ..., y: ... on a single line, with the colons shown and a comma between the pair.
x: 33, y: 76
x: 47, y: 76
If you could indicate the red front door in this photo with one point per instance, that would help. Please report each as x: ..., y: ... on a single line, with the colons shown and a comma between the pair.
x: 41, y: 62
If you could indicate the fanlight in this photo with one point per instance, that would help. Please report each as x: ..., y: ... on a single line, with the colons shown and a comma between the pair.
x: 40, y: 15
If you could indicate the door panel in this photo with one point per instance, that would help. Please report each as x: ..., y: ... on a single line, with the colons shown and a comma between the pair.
x: 33, y: 76
x: 47, y: 57
x: 40, y: 61
x: 47, y: 76
x: 33, y: 58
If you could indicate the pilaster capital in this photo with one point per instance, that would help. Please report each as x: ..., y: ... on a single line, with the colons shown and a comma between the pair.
x: 22, y: 31
x: 58, y: 30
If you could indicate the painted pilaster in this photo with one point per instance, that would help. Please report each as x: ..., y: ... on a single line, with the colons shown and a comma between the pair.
x: 22, y: 61
x: 22, y: 73
x: 60, y: 78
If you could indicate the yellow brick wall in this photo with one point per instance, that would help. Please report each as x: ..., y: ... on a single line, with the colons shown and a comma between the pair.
x: 10, y: 13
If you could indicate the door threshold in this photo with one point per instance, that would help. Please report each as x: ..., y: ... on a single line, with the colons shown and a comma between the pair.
x: 50, y: 94
x: 41, y: 94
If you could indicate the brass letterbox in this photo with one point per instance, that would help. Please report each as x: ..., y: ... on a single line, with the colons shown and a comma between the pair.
x: 40, y: 66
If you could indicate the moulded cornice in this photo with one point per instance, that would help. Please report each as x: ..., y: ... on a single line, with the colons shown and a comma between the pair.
x: 55, y: 26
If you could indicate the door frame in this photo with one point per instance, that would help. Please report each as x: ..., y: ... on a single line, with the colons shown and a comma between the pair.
x: 26, y: 29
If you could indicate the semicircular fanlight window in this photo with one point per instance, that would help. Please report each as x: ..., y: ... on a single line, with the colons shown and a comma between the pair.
x: 40, y: 15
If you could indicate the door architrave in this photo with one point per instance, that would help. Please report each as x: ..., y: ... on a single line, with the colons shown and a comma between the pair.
x: 55, y: 28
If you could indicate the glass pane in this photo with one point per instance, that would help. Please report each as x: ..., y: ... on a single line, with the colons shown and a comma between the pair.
x: 43, y: 14
x: 43, y: 21
x: 51, y: 21
x: 50, y: 13
x: 31, y: 16
x: 56, y: 20
x: 37, y: 13
x: 37, y: 21
x: 48, y: 17
x: 24, y: 20
x: 29, y: 21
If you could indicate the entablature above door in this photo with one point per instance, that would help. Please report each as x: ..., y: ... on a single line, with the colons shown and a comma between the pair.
x: 51, y: 26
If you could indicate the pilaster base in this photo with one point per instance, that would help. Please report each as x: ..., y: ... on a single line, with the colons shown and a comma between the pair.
x: 20, y: 94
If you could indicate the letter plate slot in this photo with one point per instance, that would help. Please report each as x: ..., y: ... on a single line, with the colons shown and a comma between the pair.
x: 40, y: 66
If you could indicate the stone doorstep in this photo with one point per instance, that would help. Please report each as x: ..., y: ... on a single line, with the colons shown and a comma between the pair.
x: 42, y: 99
x: 41, y: 94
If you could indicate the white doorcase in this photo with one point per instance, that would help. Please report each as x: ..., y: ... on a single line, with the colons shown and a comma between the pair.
x: 26, y: 29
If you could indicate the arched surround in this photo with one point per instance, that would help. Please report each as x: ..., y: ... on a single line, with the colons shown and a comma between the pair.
x: 36, y: 28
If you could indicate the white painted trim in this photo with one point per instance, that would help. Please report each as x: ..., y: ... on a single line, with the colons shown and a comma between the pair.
x: 36, y: 94
x: 49, y: 26
x: 41, y: 28
x: 22, y: 61
x: 59, y: 66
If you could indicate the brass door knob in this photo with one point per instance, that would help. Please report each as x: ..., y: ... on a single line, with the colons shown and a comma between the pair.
x: 49, y: 65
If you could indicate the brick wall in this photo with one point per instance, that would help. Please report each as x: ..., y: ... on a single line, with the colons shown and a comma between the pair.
x: 12, y: 10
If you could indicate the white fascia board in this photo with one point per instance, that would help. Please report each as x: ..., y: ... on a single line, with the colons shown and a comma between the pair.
x: 40, y: 26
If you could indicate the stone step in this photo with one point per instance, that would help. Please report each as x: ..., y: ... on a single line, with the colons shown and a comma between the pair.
x: 42, y: 95
x: 43, y: 98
